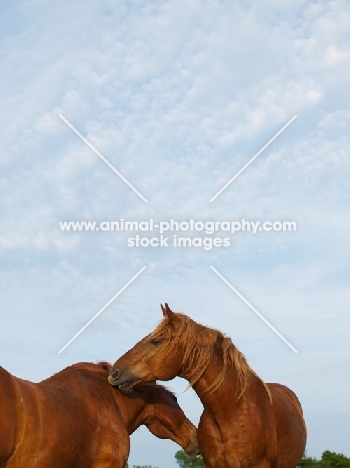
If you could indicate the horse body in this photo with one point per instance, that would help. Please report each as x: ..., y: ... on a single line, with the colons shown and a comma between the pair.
x: 75, y: 419
x: 245, y: 423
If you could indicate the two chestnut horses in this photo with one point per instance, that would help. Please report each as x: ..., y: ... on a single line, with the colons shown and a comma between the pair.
x: 245, y: 422
x: 75, y: 419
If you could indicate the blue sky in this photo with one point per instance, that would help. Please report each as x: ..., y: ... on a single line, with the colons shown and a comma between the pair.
x: 178, y: 96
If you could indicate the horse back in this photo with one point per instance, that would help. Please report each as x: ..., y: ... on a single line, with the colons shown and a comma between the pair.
x: 290, y: 425
x: 7, y: 415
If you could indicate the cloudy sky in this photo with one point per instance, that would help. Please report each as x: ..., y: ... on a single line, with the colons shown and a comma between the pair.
x: 178, y: 96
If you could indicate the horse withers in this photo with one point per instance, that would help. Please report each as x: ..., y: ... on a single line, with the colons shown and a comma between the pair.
x: 75, y: 419
x: 246, y: 423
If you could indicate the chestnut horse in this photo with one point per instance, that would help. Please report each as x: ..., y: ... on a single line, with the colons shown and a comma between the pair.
x: 245, y: 422
x: 75, y: 419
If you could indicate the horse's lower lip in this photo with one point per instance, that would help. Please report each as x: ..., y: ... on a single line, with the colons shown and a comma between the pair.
x: 125, y: 386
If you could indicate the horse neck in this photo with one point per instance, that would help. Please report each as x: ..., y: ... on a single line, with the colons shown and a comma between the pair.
x: 229, y: 386
x: 134, y: 411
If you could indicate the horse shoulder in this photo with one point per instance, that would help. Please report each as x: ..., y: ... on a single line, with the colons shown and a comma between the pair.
x: 210, y: 440
x: 79, y: 409
x: 111, y: 442
x: 93, y: 402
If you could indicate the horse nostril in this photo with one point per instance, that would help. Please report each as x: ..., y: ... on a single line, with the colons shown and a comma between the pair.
x: 115, y: 374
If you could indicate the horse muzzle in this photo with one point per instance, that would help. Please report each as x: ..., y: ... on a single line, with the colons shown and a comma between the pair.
x: 124, y: 379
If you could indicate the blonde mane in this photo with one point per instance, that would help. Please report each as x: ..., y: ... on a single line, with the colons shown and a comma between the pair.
x: 199, y: 344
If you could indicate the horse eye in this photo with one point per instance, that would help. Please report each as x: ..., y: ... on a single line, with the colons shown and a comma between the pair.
x: 155, y: 342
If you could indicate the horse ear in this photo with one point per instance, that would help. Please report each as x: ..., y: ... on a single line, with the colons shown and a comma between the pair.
x: 167, y: 312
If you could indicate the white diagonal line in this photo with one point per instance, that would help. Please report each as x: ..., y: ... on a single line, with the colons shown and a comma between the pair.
x: 100, y: 311
x: 253, y: 309
x: 254, y: 157
x: 103, y: 159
